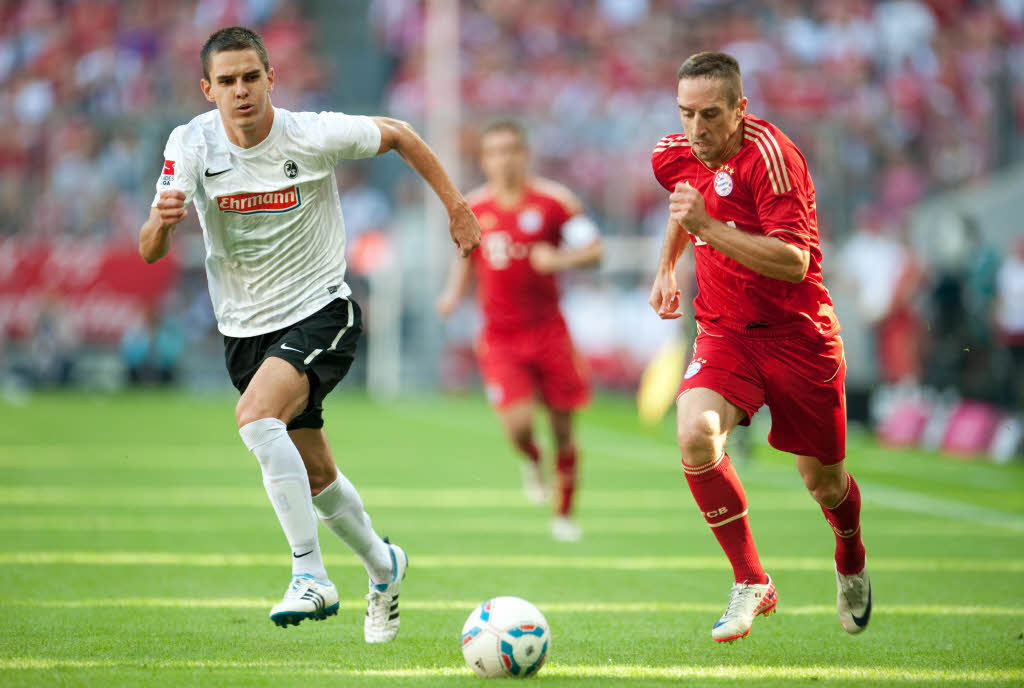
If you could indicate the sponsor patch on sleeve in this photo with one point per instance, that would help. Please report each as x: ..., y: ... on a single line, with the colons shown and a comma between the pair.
x: 168, y: 173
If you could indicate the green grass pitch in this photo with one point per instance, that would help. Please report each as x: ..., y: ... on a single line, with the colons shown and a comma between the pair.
x: 137, y: 547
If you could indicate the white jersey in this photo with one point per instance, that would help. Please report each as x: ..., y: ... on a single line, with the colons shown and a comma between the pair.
x: 271, y: 216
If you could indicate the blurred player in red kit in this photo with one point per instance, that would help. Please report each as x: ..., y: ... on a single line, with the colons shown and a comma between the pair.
x: 742, y: 195
x: 531, y: 229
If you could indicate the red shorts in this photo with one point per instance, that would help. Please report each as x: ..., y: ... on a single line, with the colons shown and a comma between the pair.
x: 800, y: 379
x: 516, y: 365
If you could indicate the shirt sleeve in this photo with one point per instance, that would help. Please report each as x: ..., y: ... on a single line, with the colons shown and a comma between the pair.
x: 666, y: 161
x: 348, y: 136
x: 579, y: 231
x: 179, y: 171
x: 780, y: 191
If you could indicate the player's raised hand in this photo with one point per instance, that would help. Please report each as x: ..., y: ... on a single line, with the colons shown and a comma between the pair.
x: 686, y: 207
x: 172, y: 207
x: 464, y: 228
x: 665, y: 297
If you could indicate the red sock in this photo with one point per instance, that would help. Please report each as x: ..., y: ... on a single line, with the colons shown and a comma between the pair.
x: 529, y: 449
x: 565, y: 470
x: 844, y: 518
x: 719, y: 493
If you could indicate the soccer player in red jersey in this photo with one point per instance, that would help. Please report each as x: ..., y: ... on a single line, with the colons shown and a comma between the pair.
x: 531, y: 229
x: 742, y: 195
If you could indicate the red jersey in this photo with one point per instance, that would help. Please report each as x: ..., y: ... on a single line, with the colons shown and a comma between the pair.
x: 765, y: 189
x: 514, y: 296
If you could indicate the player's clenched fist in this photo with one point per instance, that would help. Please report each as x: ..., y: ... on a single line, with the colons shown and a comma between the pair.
x: 686, y: 207
x: 172, y: 207
x: 464, y: 228
x: 665, y: 297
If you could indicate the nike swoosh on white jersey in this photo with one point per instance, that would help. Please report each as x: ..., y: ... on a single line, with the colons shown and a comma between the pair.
x: 291, y: 348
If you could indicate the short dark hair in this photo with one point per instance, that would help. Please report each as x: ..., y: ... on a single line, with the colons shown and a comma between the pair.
x: 233, y: 38
x: 510, y: 125
x: 715, y: 66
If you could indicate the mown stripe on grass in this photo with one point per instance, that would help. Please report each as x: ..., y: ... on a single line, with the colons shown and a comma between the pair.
x: 448, y: 561
x: 419, y: 498
x: 468, y: 605
x: 527, y: 524
x: 671, y: 502
x: 829, y: 672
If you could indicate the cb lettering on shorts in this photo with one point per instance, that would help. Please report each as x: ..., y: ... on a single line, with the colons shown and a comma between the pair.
x: 715, y: 513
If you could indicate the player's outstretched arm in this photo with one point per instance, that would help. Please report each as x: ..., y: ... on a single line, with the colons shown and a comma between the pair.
x: 156, y: 232
x: 546, y: 259
x: 402, y: 138
x: 665, y: 294
x: 457, y: 286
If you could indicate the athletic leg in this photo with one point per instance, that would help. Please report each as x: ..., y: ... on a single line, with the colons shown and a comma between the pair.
x: 339, y: 506
x: 704, y: 420
x: 517, y: 421
x: 565, y: 387
x: 837, y: 493
x: 566, y: 475
x: 276, y: 393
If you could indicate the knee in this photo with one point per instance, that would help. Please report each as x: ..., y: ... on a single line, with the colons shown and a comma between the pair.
x: 563, y: 439
x: 521, y: 434
x: 700, y: 438
x: 249, y: 409
x: 825, y: 488
x: 252, y: 407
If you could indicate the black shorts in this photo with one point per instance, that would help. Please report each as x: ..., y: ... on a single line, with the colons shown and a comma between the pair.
x: 322, y: 346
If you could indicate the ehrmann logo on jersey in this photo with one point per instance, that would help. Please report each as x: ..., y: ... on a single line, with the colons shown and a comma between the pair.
x: 269, y: 202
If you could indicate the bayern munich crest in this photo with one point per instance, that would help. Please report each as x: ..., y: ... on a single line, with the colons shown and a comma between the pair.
x: 530, y: 220
x: 694, y: 366
x: 723, y: 183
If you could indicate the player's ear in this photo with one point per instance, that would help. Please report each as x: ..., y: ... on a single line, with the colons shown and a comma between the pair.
x: 270, y: 79
x: 205, y: 86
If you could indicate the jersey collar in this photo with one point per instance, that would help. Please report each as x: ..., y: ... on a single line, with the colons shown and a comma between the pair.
x: 259, y: 148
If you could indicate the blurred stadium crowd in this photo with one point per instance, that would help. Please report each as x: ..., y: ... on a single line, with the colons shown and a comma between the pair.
x: 892, y: 102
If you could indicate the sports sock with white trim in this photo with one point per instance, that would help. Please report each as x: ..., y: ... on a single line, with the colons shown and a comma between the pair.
x: 566, y: 472
x: 844, y: 518
x: 287, y: 485
x: 341, y: 509
x: 719, y: 493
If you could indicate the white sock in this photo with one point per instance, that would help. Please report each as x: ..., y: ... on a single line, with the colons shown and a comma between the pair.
x: 341, y: 510
x: 287, y: 484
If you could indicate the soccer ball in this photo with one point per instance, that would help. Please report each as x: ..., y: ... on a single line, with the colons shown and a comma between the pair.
x: 505, y: 636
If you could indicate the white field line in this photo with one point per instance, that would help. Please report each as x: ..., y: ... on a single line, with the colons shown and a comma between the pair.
x: 829, y: 672
x: 446, y: 562
x: 525, y: 525
x: 467, y: 606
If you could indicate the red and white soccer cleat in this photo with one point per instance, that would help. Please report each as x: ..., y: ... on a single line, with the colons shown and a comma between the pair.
x: 746, y: 601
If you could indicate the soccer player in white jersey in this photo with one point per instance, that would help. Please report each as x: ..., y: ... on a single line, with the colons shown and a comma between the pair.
x: 263, y: 184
